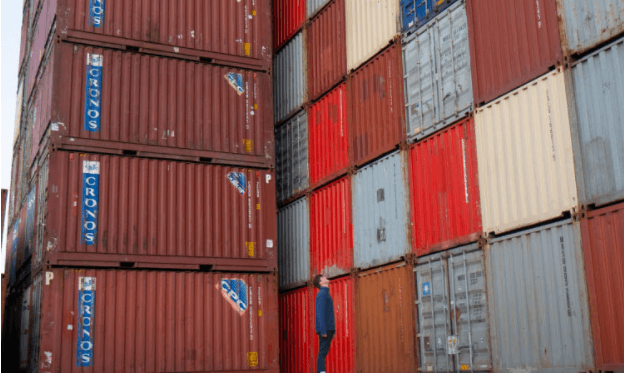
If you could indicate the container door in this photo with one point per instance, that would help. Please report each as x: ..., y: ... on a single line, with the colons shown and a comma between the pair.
x: 25, y: 329
x: 420, y: 77
x: 36, y: 324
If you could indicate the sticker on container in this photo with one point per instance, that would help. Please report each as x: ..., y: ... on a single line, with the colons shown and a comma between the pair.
x: 251, y: 248
x: 452, y: 345
x: 90, y: 202
x: 239, y: 180
x: 269, y: 243
x: 252, y: 359
x: 236, y: 81
x: 235, y: 292
x: 86, y: 318
x: 93, y: 96
x: 426, y: 288
x: 465, y: 367
x: 97, y: 8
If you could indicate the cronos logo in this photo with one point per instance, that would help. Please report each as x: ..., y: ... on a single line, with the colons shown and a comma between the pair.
x: 97, y: 9
x: 90, y: 202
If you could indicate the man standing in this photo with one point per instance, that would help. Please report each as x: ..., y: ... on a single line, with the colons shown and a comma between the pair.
x: 325, y: 324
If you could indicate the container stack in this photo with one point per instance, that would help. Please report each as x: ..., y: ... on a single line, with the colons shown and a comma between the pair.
x: 142, y: 216
x: 455, y: 168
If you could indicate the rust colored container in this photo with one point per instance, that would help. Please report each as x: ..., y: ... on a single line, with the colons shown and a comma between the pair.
x: 341, y: 357
x: 134, y: 212
x: 603, y: 244
x: 327, y: 49
x: 108, y: 99
x: 24, y: 37
x: 40, y: 35
x: 288, y: 17
x: 384, y: 317
x: 444, y: 190
x: 376, y: 106
x: 331, y: 229
x: 511, y: 43
x: 296, y: 331
x: 151, y: 321
x: 329, y: 136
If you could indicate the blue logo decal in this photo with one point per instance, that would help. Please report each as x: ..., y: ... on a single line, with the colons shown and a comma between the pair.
x: 235, y: 292
x: 239, y: 180
x: 97, y: 9
x: 30, y: 223
x: 93, y: 98
x: 86, y: 318
x: 426, y: 289
x: 90, y: 202
x: 14, y: 250
x: 236, y: 81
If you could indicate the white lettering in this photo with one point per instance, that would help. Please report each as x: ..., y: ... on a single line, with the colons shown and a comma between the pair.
x: 90, y: 202
x: 90, y: 225
x: 90, y: 192
x: 93, y: 114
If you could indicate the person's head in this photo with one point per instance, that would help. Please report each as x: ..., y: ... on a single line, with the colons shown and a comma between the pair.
x: 320, y: 281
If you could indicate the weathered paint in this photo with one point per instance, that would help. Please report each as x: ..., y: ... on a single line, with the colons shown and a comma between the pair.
x: 293, y: 243
x: 290, y: 80
x: 35, y: 327
x: 296, y: 331
x: 415, y: 13
x: 288, y: 16
x: 42, y: 196
x: 24, y: 340
x: 291, y: 157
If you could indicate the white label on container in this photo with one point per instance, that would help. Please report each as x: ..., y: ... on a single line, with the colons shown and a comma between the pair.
x: 269, y: 243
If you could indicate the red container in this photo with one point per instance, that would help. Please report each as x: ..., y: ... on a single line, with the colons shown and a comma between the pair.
x: 331, y: 229
x: 327, y: 49
x: 296, y: 331
x: 24, y: 35
x: 603, y: 244
x: 329, y: 136
x: 155, y: 105
x: 288, y: 17
x: 158, y: 214
x: 376, y: 106
x: 150, y: 321
x: 444, y: 189
x: 511, y: 43
x: 341, y: 357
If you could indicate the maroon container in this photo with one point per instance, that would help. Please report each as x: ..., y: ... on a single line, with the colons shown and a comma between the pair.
x: 40, y: 35
x: 375, y: 92
x: 511, y: 43
x: 327, y: 49
x: 24, y: 36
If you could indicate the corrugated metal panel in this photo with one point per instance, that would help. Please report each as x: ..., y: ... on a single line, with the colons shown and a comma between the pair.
x: 603, y: 245
x: 444, y: 190
x: 376, y: 106
x: 512, y: 43
x: 12, y: 248
x: 331, y: 245
x: 35, y: 327
x: 296, y: 331
x: 453, y: 330
x: 15, y: 182
x: 24, y: 339
x: 42, y: 196
x: 291, y: 156
x: 149, y: 321
x: 415, y: 13
x: 29, y: 222
x: 315, y: 5
x: 288, y: 16
x: 327, y: 49
x: 597, y: 86
x: 290, y: 86
x: 371, y: 25
x: 157, y: 211
x: 329, y: 136
x: 384, y: 317
x: 293, y: 238
x: 587, y: 24
x: 19, y: 109
x: 41, y: 103
x: 524, y: 152
x: 42, y: 35
x: 341, y: 357
x: 380, y: 212
x: 24, y: 40
x: 537, y: 298
x: 438, y: 83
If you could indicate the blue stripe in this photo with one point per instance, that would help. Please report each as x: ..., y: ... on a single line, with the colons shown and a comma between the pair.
x: 86, y: 318
x: 93, y: 94
x: 97, y: 8
x: 90, y: 207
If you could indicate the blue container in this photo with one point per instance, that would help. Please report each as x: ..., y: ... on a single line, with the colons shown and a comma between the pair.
x: 416, y: 13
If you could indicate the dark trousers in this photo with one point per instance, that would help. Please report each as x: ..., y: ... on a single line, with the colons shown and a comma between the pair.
x: 323, y: 350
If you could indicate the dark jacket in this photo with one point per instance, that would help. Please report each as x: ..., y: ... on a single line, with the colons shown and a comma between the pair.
x: 324, y: 312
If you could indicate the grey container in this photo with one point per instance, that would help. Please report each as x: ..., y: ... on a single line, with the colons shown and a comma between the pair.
x: 538, y: 301
x: 595, y: 88
x: 290, y: 83
x: 315, y: 5
x: 291, y: 156
x: 588, y: 23
x: 437, y: 74
x: 380, y: 214
x: 293, y: 244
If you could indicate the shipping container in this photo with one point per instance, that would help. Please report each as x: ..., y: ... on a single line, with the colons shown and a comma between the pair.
x: 293, y: 244
x: 290, y: 81
x: 603, y: 245
x: 288, y: 17
x: 375, y: 93
x: 371, y: 25
x: 19, y: 109
x: 384, y: 319
x: 291, y: 157
x: 40, y: 105
x: 341, y: 357
x: 596, y: 84
x: 451, y: 311
x: 42, y: 35
x: 12, y: 251
x: 116, y: 211
x: 438, y: 84
x: 329, y: 136
x: 103, y: 99
x: 331, y: 244
x: 380, y: 212
x: 296, y: 330
x: 415, y: 13
x: 157, y: 321
x: 314, y: 6
x: 444, y: 190
x: 537, y: 300
x: 511, y: 43
x: 25, y: 330
x: 327, y: 49
x: 524, y: 153
x: 41, y: 214
x: 25, y: 35
x: 585, y: 25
